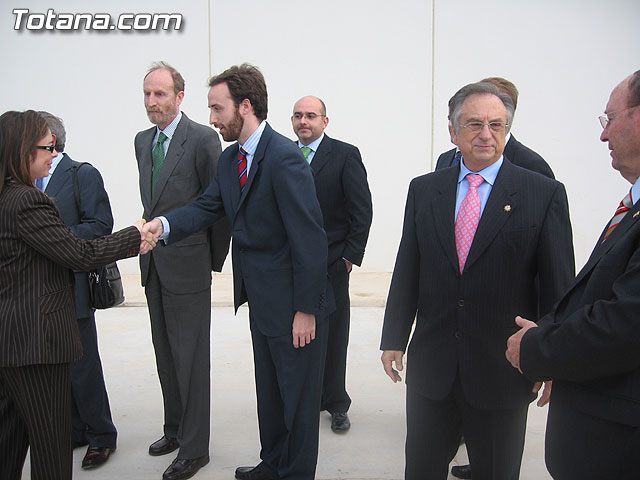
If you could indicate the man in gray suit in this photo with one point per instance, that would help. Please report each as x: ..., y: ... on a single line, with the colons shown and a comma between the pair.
x: 177, y: 159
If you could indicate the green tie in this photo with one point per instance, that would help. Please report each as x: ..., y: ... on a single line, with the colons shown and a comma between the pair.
x: 306, y: 151
x: 158, y: 159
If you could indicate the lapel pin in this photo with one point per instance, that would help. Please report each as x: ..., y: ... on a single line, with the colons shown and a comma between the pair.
x: 636, y: 214
x: 507, y: 208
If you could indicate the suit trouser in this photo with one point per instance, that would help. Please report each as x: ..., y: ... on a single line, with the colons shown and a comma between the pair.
x: 494, y: 438
x: 578, y: 445
x: 334, y: 392
x: 91, y: 414
x: 181, y: 334
x: 288, y: 389
x: 35, y: 411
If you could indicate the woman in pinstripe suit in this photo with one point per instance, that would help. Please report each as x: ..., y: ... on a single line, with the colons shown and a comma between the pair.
x: 38, y: 330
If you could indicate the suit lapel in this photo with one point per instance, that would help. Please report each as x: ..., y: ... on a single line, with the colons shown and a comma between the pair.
x: 321, y: 157
x: 502, y: 202
x: 146, y: 162
x: 60, y: 176
x: 231, y: 174
x: 174, y: 154
x: 255, y: 163
x: 443, y: 210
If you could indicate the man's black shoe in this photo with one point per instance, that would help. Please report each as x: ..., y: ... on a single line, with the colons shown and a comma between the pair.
x: 340, y: 422
x: 461, y: 471
x: 183, y: 468
x: 253, y: 473
x: 96, y: 456
x: 163, y: 446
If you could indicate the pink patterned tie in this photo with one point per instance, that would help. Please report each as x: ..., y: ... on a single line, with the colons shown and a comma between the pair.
x: 468, y: 218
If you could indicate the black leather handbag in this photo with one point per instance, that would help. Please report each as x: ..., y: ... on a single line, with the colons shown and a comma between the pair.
x: 105, y: 284
x: 105, y: 287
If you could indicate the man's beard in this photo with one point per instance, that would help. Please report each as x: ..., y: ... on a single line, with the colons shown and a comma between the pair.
x: 231, y: 131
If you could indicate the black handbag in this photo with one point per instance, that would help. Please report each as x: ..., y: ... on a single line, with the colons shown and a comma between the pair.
x: 105, y: 284
x: 105, y: 287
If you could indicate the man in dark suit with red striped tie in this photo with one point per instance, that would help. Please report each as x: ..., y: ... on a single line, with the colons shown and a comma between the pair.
x: 590, y: 344
x: 265, y: 188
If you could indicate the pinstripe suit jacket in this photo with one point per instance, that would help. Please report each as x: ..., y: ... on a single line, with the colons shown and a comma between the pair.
x: 37, y: 251
x: 463, y: 320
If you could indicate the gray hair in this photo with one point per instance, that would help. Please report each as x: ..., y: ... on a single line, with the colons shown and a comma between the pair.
x: 178, y: 81
x: 480, y: 88
x: 56, y: 125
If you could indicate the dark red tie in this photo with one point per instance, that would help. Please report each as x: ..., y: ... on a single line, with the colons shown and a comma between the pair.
x: 242, y: 168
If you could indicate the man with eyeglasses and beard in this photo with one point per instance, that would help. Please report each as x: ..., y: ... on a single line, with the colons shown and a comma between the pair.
x: 475, y: 239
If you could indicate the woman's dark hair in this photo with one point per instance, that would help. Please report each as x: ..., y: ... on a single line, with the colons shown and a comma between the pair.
x: 19, y: 134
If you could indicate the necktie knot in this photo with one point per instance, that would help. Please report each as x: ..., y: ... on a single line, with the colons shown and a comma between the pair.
x: 157, y: 155
x: 161, y: 138
x: 474, y: 180
x: 306, y: 151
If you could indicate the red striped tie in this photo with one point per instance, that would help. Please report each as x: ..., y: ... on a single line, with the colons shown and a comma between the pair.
x: 242, y: 168
x: 623, y: 208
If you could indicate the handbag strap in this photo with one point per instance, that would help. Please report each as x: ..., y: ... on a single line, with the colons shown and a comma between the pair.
x: 76, y: 189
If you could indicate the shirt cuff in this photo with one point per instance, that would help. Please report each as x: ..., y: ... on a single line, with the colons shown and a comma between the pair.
x: 166, y: 230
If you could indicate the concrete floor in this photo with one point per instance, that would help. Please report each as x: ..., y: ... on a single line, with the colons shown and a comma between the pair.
x: 372, y: 449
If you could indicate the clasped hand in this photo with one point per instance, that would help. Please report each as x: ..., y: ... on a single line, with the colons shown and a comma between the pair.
x: 147, y: 239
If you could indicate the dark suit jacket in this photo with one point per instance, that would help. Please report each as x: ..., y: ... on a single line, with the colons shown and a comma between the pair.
x: 94, y: 219
x: 37, y: 312
x: 516, y: 152
x: 279, y: 246
x: 590, y: 344
x: 345, y: 200
x: 189, y: 166
x: 463, y: 321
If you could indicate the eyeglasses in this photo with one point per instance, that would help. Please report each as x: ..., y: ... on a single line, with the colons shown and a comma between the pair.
x: 49, y: 148
x: 309, y: 116
x: 495, y: 127
x: 606, y: 119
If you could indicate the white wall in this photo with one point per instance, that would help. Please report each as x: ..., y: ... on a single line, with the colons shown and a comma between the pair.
x: 372, y: 62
